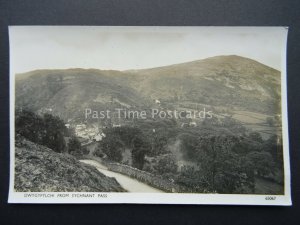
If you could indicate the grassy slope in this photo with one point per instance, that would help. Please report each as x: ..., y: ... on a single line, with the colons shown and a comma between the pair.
x: 40, y: 169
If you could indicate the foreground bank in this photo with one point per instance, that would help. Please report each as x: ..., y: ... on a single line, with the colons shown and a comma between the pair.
x: 39, y: 169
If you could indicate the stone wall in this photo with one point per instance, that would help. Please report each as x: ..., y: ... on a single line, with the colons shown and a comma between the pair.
x: 143, y: 176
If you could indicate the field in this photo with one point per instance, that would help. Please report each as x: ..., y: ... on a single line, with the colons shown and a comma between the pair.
x: 256, y: 122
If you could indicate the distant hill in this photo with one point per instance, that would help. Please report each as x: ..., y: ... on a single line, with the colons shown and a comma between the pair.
x: 69, y: 92
x: 229, y: 81
x: 218, y: 81
x: 38, y: 168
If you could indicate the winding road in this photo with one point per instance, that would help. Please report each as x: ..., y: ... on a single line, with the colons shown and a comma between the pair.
x: 128, y: 183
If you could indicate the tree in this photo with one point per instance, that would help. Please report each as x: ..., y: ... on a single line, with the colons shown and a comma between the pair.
x: 263, y: 162
x: 139, y: 150
x: 189, y: 145
x: 54, y: 133
x: 159, y: 144
x: 222, y: 168
x: 119, y: 138
x: 245, y: 145
x: 30, y: 126
x: 192, y: 180
x: 74, y: 146
x: 166, y: 165
x: 112, y: 146
x: 48, y: 130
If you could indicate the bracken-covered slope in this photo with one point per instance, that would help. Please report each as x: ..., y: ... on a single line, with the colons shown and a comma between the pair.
x: 39, y: 169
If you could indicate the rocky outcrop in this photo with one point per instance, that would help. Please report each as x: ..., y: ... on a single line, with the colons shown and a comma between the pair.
x: 40, y: 169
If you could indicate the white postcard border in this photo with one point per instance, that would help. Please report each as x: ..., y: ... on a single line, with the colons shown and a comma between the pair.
x: 156, y: 198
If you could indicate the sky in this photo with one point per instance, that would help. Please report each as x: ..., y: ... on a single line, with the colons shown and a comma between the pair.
x: 123, y: 48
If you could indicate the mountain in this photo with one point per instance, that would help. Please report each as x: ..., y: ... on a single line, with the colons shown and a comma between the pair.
x: 234, y: 82
x: 38, y: 168
x: 219, y: 81
x: 69, y: 92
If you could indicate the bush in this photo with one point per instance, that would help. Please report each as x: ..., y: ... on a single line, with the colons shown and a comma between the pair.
x: 119, y: 138
x: 75, y: 148
x: 166, y: 165
x: 112, y: 146
x: 48, y: 130
x: 223, y: 169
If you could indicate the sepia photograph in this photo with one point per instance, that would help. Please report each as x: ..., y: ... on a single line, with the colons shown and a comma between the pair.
x: 170, y: 115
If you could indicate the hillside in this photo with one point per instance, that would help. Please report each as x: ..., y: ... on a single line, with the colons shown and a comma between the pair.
x: 227, y: 81
x: 68, y: 92
x: 38, y: 168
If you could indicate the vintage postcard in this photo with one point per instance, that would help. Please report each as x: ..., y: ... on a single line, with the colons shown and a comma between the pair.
x: 170, y: 115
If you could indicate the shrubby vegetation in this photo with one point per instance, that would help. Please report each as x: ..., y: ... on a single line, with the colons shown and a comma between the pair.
x: 217, y: 157
x: 119, y: 138
x: 166, y: 165
x: 75, y: 148
x: 47, y: 130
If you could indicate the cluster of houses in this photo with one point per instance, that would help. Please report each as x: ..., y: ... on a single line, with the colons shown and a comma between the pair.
x: 89, y: 133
